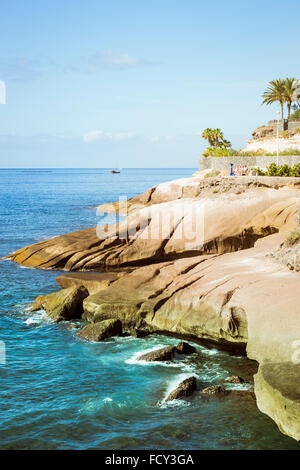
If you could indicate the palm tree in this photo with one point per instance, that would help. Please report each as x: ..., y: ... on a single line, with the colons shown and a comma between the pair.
x: 215, y: 138
x: 211, y: 136
x: 275, y: 92
x: 290, y: 87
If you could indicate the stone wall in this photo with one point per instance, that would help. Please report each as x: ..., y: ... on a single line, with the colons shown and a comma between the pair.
x: 284, y: 125
x: 293, y: 125
x: 223, y: 163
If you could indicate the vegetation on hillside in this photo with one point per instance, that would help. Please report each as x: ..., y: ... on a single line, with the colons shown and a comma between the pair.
x: 295, y: 115
x: 216, y: 142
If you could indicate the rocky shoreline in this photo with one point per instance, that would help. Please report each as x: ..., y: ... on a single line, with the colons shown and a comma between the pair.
x: 217, y: 282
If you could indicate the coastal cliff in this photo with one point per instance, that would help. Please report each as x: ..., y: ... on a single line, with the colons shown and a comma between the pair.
x: 269, y: 144
x: 196, y: 261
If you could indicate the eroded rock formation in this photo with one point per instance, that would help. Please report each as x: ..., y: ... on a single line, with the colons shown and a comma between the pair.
x: 217, y: 285
x: 171, y: 230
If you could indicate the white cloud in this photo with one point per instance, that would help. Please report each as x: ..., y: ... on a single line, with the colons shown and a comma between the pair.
x: 100, y: 135
x: 92, y: 135
x: 107, y: 58
x: 166, y: 138
x: 19, y: 69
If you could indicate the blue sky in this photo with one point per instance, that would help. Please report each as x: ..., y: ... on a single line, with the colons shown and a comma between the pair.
x: 92, y: 83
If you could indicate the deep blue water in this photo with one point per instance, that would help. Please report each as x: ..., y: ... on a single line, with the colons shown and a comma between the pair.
x: 60, y: 392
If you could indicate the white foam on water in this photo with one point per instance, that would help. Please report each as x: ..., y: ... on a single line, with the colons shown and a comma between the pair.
x: 37, y: 318
x: 134, y: 359
x: 172, y: 385
x: 242, y: 387
x: 108, y: 405
x: 91, y: 405
x: 208, y: 352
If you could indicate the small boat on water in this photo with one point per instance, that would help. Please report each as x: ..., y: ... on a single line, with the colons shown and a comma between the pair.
x: 115, y: 171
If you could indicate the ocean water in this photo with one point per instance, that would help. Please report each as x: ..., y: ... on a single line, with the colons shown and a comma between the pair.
x: 60, y: 392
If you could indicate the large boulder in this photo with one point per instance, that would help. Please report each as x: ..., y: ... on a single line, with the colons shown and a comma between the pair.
x: 277, y: 390
x: 185, y: 348
x: 163, y: 354
x: 263, y: 131
x: 184, y: 389
x: 66, y: 304
x: 101, y: 330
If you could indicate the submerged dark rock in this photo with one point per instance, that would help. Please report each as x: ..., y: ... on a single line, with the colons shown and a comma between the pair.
x: 215, y: 390
x: 163, y: 354
x: 235, y: 379
x: 101, y: 330
x: 184, y: 389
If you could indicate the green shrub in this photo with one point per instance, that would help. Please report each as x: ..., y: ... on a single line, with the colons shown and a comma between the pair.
x: 272, y: 170
x: 282, y: 170
x: 284, y: 133
x: 293, y: 237
x: 295, y: 171
x: 288, y: 152
x: 257, y: 153
x: 260, y: 172
x: 295, y: 115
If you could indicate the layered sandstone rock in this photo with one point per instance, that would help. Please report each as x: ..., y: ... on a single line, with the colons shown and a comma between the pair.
x: 200, y: 185
x: 171, y: 230
x: 277, y: 390
x: 240, y: 298
x: 93, y: 282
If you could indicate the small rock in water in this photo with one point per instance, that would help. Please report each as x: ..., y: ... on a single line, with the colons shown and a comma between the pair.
x: 137, y: 333
x: 163, y: 354
x: 185, y: 348
x: 101, y: 330
x: 65, y: 304
x: 214, y: 390
x: 235, y: 379
x: 184, y: 389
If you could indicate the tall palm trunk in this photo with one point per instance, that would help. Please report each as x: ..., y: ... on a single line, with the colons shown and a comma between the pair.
x: 281, y: 104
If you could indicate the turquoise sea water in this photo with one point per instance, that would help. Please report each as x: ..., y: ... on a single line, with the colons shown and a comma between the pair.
x: 60, y: 392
